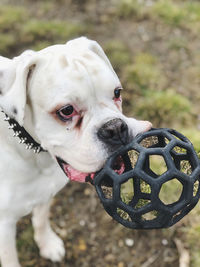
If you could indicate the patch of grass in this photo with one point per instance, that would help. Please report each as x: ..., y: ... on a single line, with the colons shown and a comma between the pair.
x: 38, y: 45
x: 118, y: 54
x: 18, y: 31
x: 7, y: 42
x: 11, y: 18
x: 26, y: 237
x: 165, y: 108
x: 177, y: 43
x: 129, y: 8
x: 127, y: 191
x: 170, y: 12
x: 50, y: 30
x: 25, y: 242
x: 192, y: 10
x: 177, y: 13
x: 193, y: 135
x: 46, y: 7
x: 144, y: 74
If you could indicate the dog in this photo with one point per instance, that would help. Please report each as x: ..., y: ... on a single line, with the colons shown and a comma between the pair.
x: 66, y: 99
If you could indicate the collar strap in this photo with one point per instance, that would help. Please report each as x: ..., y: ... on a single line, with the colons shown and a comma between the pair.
x: 23, y: 135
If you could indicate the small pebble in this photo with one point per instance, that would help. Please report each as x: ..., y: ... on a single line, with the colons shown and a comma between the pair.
x: 121, y: 243
x: 164, y: 242
x: 129, y: 242
x: 62, y: 224
x: 87, y: 192
x: 120, y: 264
x: 93, y: 225
x: 109, y: 257
x: 82, y: 223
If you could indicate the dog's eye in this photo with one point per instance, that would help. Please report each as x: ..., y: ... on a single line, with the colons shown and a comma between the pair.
x: 117, y: 93
x: 66, y: 113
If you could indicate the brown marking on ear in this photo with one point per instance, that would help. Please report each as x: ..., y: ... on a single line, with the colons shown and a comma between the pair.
x: 63, y: 61
x: 30, y: 73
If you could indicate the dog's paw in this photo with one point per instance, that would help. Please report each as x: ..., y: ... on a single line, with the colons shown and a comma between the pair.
x: 52, y: 247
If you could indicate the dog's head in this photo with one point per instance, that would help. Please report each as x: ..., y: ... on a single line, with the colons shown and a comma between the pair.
x: 68, y: 98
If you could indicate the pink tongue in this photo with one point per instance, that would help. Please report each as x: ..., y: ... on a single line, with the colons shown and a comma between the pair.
x: 75, y: 175
x: 78, y: 176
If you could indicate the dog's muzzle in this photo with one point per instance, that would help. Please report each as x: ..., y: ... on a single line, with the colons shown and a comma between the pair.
x: 114, y: 133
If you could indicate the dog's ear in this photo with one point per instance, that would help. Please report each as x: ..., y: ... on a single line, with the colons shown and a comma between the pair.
x: 97, y: 49
x: 85, y: 43
x: 13, y: 84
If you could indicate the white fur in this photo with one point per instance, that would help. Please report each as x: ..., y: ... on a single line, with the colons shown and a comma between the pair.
x: 77, y: 73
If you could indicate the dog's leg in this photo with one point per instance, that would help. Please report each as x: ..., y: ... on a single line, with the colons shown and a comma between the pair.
x: 8, y: 252
x: 50, y: 245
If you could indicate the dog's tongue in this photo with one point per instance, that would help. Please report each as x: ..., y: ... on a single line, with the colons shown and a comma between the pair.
x: 75, y: 175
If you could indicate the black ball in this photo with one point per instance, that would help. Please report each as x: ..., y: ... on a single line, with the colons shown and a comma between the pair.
x: 139, y: 182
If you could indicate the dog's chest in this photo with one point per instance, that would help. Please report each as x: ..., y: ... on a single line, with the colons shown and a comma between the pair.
x: 21, y: 192
x: 38, y: 191
x: 26, y: 179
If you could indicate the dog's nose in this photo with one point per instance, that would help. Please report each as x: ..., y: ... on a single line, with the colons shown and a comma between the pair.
x: 114, y: 132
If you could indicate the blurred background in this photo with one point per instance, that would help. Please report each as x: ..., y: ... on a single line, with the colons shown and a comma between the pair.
x: 154, y: 47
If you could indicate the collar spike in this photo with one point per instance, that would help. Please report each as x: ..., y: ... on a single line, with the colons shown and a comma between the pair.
x: 6, y: 119
x: 23, y: 135
x: 11, y: 126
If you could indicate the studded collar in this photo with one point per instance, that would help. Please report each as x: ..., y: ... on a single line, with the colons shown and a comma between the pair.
x: 23, y: 135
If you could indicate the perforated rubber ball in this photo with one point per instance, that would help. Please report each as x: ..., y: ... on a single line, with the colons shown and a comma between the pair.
x: 156, y: 183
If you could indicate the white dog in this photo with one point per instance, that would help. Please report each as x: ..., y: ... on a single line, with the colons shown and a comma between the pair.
x: 67, y: 97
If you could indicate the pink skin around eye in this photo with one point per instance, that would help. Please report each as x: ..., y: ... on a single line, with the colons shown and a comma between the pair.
x: 119, y: 99
x: 118, y: 102
x: 74, y: 113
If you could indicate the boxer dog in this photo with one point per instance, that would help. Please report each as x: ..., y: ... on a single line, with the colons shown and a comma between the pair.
x: 67, y: 99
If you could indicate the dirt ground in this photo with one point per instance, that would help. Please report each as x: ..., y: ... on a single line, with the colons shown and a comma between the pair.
x: 93, y: 239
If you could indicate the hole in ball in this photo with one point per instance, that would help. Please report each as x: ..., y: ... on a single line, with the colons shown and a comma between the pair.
x: 123, y: 214
x: 157, y: 164
x: 149, y: 216
x: 133, y: 155
x: 107, y: 191
x: 155, y: 141
x: 171, y: 191
x: 118, y: 165
x: 186, y: 167
x: 106, y: 187
x: 141, y: 203
x: 180, y: 150
x: 144, y: 187
x: 149, y: 141
x: 196, y: 188
x: 127, y: 191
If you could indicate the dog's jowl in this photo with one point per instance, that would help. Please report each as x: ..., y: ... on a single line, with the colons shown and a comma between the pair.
x: 64, y: 102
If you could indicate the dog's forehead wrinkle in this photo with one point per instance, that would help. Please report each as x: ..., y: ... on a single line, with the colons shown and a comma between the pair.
x: 63, y: 61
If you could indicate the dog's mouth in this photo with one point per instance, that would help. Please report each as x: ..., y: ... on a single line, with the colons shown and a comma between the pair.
x: 78, y: 176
